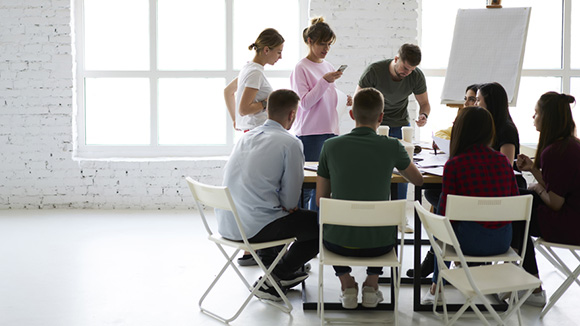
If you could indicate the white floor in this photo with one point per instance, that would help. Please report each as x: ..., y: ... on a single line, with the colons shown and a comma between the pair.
x: 89, y: 267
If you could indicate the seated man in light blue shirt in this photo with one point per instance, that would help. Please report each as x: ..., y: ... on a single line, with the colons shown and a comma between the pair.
x: 265, y: 174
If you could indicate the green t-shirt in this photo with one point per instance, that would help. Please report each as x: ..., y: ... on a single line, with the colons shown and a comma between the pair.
x: 396, y: 93
x: 359, y: 166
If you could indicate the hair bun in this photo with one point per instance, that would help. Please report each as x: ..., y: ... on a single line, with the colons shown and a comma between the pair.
x: 317, y: 20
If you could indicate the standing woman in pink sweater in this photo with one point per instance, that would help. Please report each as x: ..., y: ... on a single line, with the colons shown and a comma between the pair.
x: 313, y: 80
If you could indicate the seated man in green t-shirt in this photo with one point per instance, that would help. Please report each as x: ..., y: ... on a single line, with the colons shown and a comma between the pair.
x: 358, y: 166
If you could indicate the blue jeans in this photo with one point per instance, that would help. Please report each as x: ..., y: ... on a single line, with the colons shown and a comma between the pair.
x: 397, y: 132
x: 312, y: 147
x: 363, y: 252
x: 476, y: 240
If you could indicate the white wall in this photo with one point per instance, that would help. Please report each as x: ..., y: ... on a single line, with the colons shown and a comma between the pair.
x: 37, y: 169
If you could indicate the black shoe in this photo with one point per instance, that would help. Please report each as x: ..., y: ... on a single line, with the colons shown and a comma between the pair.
x: 247, y: 260
x: 426, y: 266
x: 268, y: 292
x: 291, y: 280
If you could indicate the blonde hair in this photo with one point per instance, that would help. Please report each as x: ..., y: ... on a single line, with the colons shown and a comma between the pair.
x: 318, y: 31
x: 268, y: 38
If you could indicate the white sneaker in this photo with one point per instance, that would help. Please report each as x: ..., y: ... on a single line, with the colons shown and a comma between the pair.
x: 349, y: 298
x: 429, y: 299
x: 408, y: 229
x: 535, y: 299
x: 371, y: 297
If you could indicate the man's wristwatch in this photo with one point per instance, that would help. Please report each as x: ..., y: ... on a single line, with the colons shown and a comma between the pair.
x: 425, y: 114
x: 264, y: 104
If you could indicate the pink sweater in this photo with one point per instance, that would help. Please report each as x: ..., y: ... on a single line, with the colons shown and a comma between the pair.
x: 317, y: 113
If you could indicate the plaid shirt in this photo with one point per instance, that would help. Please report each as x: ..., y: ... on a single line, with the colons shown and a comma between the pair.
x: 479, y: 172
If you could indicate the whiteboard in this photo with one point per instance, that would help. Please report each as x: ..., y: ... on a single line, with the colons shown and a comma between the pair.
x: 488, y: 46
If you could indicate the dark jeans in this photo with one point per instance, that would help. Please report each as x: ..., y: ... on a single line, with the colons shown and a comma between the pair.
x: 476, y: 240
x: 530, y: 264
x: 433, y: 196
x: 312, y: 147
x: 397, y: 132
x: 303, y: 225
x: 364, y: 252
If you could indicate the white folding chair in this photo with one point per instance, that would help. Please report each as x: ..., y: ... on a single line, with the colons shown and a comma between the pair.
x: 547, y: 250
x: 467, y: 208
x: 367, y: 214
x: 219, y: 197
x: 474, y: 282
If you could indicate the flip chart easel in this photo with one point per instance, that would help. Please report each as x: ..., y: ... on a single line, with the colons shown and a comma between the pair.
x: 488, y: 46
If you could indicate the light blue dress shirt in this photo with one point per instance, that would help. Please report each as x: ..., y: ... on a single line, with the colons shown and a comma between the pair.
x: 265, y: 173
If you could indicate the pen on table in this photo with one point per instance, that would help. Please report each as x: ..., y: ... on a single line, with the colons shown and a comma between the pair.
x: 435, y: 150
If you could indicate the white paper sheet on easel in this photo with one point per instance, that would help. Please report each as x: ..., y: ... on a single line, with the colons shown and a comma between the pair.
x: 443, y: 144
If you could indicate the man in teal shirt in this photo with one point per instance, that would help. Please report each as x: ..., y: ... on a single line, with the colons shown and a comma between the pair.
x: 358, y: 166
x: 396, y: 79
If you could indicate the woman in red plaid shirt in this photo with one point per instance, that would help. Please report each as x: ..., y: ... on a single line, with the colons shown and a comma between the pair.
x: 475, y: 169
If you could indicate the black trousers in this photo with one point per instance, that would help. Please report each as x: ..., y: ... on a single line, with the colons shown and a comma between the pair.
x: 302, y: 224
x: 530, y: 264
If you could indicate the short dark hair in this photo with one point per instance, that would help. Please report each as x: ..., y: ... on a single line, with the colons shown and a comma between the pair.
x: 473, y: 125
x: 473, y: 87
x: 367, y: 105
x: 281, y: 102
x: 410, y: 54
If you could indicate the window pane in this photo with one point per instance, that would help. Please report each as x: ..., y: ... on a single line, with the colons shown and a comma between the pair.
x: 438, y: 22
x: 442, y: 116
x: 280, y: 83
x: 117, y: 111
x: 574, y: 59
x: 531, y: 88
x: 575, y: 91
x: 192, y: 111
x: 544, y: 43
x: 191, y: 35
x: 253, y: 16
x: 116, y: 34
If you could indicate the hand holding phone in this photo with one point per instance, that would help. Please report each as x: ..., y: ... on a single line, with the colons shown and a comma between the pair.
x: 342, y: 68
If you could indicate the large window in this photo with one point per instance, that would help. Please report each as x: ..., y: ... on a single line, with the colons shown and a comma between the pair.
x: 550, y: 63
x: 151, y: 73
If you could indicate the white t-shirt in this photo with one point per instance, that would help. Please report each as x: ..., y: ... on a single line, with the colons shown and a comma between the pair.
x: 252, y: 76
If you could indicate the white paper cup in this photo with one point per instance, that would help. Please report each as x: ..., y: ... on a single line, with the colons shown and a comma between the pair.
x: 408, y: 134
x: 383, y: 130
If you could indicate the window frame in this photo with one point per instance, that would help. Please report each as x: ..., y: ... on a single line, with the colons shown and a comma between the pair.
x: 154, y: 149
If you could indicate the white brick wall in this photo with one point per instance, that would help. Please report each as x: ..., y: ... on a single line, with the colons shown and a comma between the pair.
x: 36, y: 107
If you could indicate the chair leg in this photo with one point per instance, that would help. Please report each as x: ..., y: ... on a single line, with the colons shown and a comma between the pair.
x: 560, y: 291
x: 216, y: 279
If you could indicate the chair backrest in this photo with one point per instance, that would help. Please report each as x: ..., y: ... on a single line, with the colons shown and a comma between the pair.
x: 467, y: 208
x: 216, y: 197
x: 437, y: 226
x: 362, y: 213
x: 212, y: 196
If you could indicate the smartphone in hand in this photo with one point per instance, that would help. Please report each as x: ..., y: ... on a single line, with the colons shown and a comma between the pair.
x: 342, y: 68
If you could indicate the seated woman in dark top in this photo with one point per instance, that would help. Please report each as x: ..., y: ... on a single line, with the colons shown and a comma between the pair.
x: 556, y: 210
x: 493, y: 97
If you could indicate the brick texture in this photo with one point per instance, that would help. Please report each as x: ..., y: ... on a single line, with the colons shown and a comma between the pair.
x: 38, y: 169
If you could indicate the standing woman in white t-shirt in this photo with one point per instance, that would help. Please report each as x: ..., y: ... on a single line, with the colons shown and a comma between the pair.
x: 248, y: 108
